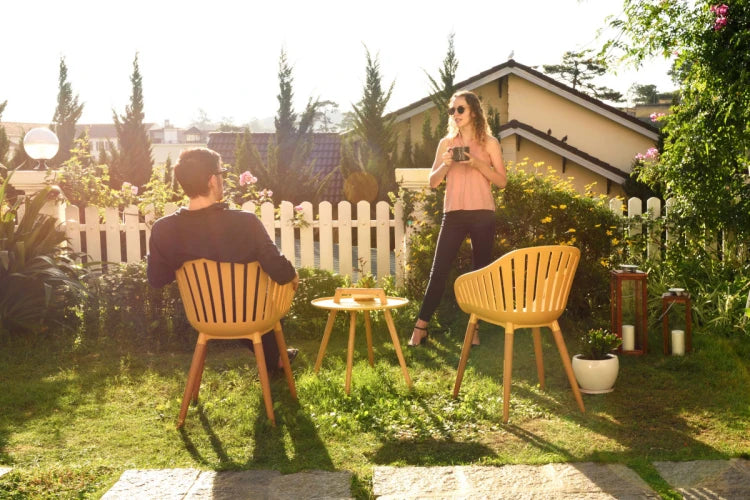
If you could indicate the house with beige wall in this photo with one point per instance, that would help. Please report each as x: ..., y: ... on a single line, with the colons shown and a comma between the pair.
x: 543, y: 120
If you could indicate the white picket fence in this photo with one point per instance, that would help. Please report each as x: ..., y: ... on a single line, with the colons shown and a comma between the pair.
x: 123, y: 237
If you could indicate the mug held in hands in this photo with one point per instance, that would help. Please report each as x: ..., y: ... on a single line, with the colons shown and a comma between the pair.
x: 459, y: 153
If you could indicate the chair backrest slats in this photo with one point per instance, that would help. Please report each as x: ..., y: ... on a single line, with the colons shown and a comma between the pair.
x: 534, y: 281
x: 231, y: 299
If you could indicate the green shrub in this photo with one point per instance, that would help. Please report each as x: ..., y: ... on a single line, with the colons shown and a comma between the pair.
x: 123, y: 309
x: 37, y: 273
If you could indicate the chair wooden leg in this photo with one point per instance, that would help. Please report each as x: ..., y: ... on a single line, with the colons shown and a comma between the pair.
x: 199, y: 376
x: 350, y: 350
x: 195, y: 367
x: 281, y: 343
x: 557, y: 334
x: 265, y: 385
x: 324, y: 342
x: 507, y: 369
x: 537, y: 335
x: 468, y: 337
x: 368, y: 334
x: 397, y: 346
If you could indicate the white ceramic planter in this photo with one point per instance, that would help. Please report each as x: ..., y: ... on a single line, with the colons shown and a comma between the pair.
x: 596, y: 376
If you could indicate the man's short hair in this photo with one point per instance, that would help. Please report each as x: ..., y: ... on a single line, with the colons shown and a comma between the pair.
x: 195, y: 167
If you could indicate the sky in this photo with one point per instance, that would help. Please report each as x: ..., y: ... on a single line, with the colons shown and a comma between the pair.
x: 221, y: 56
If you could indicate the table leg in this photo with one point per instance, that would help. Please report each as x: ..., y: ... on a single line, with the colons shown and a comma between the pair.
x: 350, y: 350
x: 368, y: 332
x: 397, y: 346
x: 326, y: 338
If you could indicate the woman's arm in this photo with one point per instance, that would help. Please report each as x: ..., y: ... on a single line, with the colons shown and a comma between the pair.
x: 443, y: 163
x: 494, y: 171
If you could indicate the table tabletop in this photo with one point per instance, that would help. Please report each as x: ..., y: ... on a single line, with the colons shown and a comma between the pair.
x: 351, y: 304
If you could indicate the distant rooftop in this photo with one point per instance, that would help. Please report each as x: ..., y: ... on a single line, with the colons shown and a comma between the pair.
x: 326, y: 153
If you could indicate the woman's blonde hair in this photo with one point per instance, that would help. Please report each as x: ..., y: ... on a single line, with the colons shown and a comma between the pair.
x: 481, y: 127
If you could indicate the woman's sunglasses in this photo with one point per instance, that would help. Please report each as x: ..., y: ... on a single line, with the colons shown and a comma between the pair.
x: 460, y: 110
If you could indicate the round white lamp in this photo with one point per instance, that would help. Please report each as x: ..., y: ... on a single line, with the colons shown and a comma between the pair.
x: 41, y: 144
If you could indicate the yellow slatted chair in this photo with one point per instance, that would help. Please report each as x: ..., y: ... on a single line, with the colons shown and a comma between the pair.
x: 525, y: 288
x: 233, y: 301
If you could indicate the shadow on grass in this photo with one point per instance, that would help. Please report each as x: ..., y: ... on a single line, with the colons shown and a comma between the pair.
x: 293, y: 445
x: 430, y: 452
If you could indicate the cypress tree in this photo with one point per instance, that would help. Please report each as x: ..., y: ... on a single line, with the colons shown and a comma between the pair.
x: 134, y: 163
x: 66, y: 116
x: 372, y: 145
x: 4, y: 141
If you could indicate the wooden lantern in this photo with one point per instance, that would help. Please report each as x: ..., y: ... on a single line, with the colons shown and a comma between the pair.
x: 629, y: 308
x: 668, y: 300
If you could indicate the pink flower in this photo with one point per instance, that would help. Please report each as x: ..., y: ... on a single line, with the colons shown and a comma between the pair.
x: 298, y: 208
x: 640, y: 157
x: 652, y: 153
x: 266, y: 193
x: 722, y: 10
x: 720, y: 23
x: 134, y: 190
x: 247, y: 178
x: 655, y: 116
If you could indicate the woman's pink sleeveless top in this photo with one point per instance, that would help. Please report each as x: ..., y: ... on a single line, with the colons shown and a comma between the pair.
x: 466, y: 188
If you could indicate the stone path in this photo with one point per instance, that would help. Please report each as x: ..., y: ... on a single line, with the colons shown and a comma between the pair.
x: 706, y: 479
x: 194, y: 484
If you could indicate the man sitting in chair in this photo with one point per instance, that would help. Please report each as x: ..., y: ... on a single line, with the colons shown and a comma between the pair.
x: 208, y: 229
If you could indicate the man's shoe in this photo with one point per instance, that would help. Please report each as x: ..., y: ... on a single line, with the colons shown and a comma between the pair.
x: 292, y: 354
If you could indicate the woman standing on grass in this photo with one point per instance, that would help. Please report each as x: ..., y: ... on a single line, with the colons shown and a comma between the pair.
x: 468, y: 206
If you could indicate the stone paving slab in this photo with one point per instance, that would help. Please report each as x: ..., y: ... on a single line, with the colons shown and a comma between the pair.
x: 590, y: 481
x: 194, y: 484
x: 708, y: 479
x: 5, y: 470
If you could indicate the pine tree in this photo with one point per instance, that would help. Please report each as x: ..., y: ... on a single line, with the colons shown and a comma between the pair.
x: 579, y: 69
x: 66, y: 116
x: 371, y: 147
x: 134, y: 163
x: 286, y: 131
x: 442, y: 91
x: 20, y: 159
x: 4, y: 141
x: 287, y: 170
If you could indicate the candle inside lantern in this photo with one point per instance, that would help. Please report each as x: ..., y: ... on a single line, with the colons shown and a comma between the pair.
x: 628, y: 337
x: 678, y: 342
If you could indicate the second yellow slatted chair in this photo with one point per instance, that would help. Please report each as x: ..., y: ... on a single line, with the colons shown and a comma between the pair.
x: 525, y: 288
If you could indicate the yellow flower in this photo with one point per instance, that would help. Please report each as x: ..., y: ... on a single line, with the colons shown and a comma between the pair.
x: 597, y: 225
x: 615, y: 241
x: 608, y: 232
x: 571, y: 230
x: 546, y: 220
x: 563, y: 206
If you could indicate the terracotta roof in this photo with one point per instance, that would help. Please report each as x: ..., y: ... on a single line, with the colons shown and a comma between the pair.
x: 326, y: 153
x: 563, y: 149
x: 528, y: 73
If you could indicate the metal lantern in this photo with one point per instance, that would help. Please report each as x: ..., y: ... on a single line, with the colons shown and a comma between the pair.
x: 679, y: 339
x: 629, y: 308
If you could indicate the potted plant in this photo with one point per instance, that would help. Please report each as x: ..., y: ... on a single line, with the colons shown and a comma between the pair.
x: 596, y: 367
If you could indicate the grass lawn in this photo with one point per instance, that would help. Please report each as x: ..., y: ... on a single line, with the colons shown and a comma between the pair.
x: 72, y: 422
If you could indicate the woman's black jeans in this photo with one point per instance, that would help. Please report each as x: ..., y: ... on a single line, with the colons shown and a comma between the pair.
x: 480, y: 226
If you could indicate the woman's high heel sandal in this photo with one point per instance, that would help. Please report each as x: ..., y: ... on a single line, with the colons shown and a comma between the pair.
x: 422, y: 340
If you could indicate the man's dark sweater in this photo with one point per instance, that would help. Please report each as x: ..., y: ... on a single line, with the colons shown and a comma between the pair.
x: 214, y: 233
x: 219, y: 234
